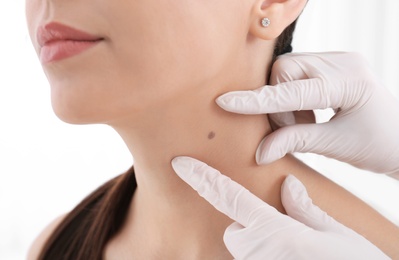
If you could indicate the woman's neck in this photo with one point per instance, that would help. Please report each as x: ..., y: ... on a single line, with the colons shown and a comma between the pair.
x: 195, y: 128
x: 167, y: 209
x: 166, y: 214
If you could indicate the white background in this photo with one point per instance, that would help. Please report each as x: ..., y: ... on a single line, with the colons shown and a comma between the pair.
x: 47, y: 166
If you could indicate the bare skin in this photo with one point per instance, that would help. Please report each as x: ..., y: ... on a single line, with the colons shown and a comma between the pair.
x: 154, y: 79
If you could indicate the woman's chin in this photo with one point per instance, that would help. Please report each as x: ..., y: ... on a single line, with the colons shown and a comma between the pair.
x: 75, y: 112
x: 72, y: 117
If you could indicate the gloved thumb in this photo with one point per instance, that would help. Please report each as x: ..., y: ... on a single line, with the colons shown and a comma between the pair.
x: 300, y: 207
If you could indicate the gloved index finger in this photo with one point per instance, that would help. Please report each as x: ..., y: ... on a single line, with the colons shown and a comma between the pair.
x: 307, y: 94
x: 226, y: 195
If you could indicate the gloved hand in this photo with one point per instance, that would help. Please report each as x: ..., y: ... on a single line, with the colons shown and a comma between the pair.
x: 364, y: 131
x: 261, y: 232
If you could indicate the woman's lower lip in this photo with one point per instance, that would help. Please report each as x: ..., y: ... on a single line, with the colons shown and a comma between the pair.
x: 62, y: 49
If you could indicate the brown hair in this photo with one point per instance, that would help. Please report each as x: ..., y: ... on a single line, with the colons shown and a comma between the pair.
x: 284, y: 41
x: 84, y: 232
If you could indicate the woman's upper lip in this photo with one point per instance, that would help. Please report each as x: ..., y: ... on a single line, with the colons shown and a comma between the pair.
x: 54, y: 31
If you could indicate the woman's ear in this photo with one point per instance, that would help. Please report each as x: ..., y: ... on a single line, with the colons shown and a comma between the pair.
x: 271, y: 17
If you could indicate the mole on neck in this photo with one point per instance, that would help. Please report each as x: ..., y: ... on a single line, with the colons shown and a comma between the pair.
x: 211, y: 135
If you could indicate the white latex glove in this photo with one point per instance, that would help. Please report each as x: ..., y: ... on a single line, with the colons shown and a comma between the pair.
x: 365, y: 130
x: 261, y: 232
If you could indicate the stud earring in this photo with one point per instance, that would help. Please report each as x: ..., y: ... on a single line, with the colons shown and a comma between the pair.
x: 265, y: 22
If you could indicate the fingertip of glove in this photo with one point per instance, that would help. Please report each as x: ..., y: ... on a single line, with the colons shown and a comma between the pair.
x: 190, y: 170
x: 183, y: 165
x: 225, y: 101
x: 293, y: 192
x: 266, y: 153
x: 260, y: 153
x: 293, y: 181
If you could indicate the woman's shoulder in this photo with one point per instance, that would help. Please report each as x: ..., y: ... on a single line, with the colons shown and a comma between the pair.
x: 39, y: 242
